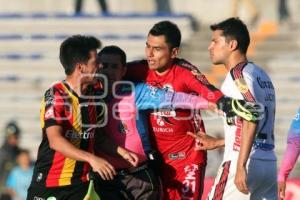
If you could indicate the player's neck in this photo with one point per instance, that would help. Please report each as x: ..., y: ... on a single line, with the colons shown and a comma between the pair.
x: 234, y: 60
x: 75, y: 85
x: 164, y: 70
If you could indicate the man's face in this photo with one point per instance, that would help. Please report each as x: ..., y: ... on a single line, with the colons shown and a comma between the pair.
x: 111, y: 66
x: 158, y: 53
x: 218, y: 48
x: 90, y: 68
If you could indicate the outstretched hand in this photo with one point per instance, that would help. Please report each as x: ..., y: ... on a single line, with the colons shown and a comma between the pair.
x: 205, y: 141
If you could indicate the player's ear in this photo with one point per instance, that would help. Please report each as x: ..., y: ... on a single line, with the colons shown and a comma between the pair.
x: 174, y: 52
x: 233, y: 45
x: 79, y: 67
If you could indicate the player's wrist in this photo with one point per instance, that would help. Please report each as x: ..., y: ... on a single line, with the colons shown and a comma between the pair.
x: 219, y: 143
x: 89, y: 158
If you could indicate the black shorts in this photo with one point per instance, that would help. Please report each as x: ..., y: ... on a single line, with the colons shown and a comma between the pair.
x: 74, y: 192
x: 143, y: 184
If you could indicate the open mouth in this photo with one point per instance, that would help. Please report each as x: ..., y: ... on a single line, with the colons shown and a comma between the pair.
x: 151, y: 62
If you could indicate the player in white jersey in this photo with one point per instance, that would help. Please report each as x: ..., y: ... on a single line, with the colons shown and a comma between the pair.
x: 248, y: 170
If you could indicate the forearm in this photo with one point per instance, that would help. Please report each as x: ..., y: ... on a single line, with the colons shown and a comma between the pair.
x: 64, y: 147
x: 220, y: 143
x: 188, y: 101
x: 149, y: 97
x: 288, y: 162
x: 248, y: 134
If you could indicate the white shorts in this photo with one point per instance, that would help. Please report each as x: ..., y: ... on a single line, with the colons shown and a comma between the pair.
x: 262, y: 181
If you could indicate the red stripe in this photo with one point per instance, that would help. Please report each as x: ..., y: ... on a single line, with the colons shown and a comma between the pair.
x: 237, y: 73
x: 220, y: 187
x: 55, y: 170
x: 92, y: 120
x: 58, y: 161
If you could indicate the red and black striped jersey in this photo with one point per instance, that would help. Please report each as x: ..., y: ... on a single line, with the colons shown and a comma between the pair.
x: 79, y: 117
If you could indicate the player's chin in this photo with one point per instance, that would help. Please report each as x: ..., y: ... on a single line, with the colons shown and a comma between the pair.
x: 153, y: 67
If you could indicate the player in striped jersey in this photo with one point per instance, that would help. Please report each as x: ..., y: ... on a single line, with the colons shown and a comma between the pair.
x: 71, y: 118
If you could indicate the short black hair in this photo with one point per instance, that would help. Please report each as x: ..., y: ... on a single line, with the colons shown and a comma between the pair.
x: 76, y: 49
x: 115, y: 50
x: 234, y: 29
x: 169, y: 30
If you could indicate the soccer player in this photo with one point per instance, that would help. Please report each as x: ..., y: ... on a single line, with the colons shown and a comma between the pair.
x: 290, y: 156
x: 70, y: 118
x: 248, y: 169
x: 183, y: 168
x: 128, y: 108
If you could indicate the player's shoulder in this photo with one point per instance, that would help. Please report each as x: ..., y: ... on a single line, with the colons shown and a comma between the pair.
x: 184, y: 65
x: 251, y: 69
x: 55, y: 90
x: 185, y: 68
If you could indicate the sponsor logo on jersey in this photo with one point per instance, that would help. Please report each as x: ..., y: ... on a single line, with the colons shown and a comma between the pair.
x: 163, y: 130
x: 168, y: 87
x: 167, y: 113
x: 162, y: 121
x: 242, y: 85
x: 84, y: 135
x: 175, y: 156
x: 238, y: 136
x: 153, y: 90
x: 49, y: 113
x: 264, y: 84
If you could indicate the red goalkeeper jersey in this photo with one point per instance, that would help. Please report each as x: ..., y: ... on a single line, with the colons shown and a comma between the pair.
x: 169, y: 127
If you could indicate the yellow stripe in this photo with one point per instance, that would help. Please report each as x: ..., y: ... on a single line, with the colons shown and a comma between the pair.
x: 42, y: 113
x: 67, y: 172
x: 69, y: 165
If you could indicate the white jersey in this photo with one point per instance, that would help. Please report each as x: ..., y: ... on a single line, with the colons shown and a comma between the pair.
x: 256, y: 86
x: 248, y: 81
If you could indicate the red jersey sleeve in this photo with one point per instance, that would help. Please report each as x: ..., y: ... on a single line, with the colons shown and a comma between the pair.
x: 197, y: 82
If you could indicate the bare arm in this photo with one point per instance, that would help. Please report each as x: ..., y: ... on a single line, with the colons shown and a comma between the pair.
x: 207, y: 142
x: 58, y: 143
x: 249, y: 130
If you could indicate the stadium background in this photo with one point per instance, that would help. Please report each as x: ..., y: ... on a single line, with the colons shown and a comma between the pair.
x: 31, y: 31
